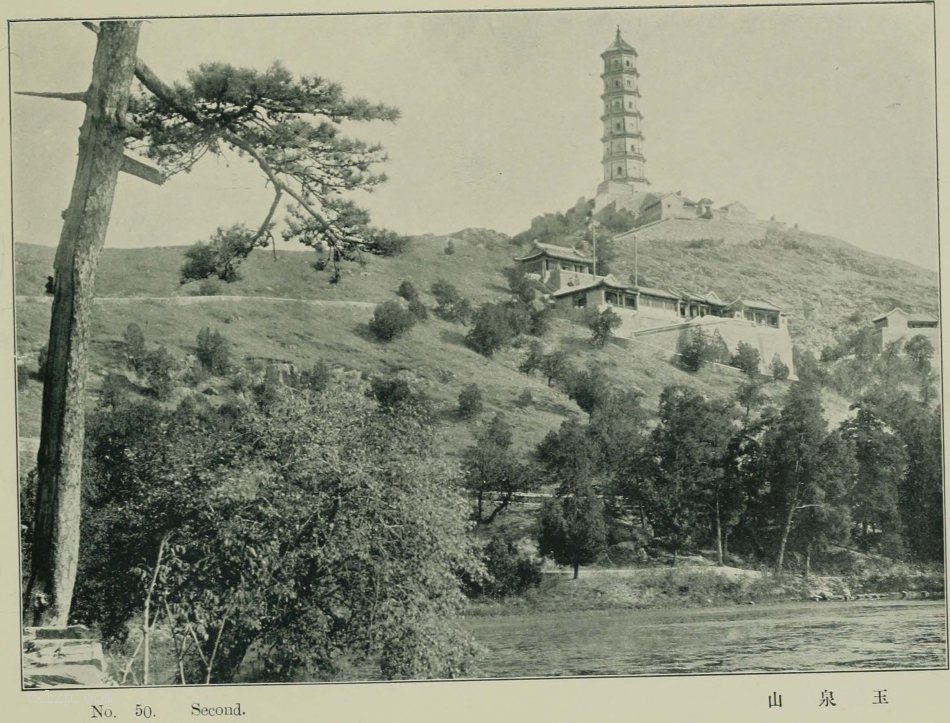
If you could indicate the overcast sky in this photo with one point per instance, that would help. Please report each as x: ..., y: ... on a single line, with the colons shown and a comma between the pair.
x: 821, y: 116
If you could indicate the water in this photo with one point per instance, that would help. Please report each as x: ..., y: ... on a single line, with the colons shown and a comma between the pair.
x: 866, y: 635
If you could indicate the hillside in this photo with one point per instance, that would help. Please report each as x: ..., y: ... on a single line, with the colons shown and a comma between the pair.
x: 819, y: 281
x: 283, y: 310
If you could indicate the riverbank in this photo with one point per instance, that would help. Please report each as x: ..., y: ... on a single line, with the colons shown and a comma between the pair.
x: 706, y: 586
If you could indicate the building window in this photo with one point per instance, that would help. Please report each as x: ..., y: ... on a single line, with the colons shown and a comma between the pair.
x: 580, y: 301
x: 613, y: 298
x: 630, y: 301
x: 619, y: 170
x: 626, y: 63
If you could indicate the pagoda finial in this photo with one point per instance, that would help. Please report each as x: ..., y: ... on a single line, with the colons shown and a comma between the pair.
x: 618, y: 32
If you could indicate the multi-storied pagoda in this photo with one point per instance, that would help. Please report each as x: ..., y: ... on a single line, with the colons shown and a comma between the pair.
x: 623, y: 159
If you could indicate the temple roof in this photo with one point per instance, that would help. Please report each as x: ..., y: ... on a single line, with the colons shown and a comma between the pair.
x: 910, y: 317
x: 568, y: 253
x: 754, y: 304
x: 619, y: 44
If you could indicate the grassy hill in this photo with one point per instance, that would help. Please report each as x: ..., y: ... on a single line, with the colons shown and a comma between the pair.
x: 825, y: 285
x: 821, y: 282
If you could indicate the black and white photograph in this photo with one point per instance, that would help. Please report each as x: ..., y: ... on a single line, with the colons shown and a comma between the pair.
x: 555, y: 343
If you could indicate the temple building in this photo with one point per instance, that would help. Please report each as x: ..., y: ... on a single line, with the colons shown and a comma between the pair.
x: 899, y: 324
x: 568, y: 277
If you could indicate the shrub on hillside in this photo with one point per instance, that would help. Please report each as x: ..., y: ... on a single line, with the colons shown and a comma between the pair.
x: 524, y: 399
x: 418, y: 310
x: 134, y: 341
x: 221, y: 257
x: 491, y: 330
x: 394, y: 394
x: 450, y: 304
x: 470, y: 401
x: 589, y: 388
x: 746, y: 358
x: 407, y: 291
x: 213, y: 351
x: 449, y: 248
x: 390, y: 320
x: 160, y: 369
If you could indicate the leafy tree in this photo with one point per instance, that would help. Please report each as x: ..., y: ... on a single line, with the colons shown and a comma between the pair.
x: 492, y: 329
x: 351, y: 553
x: 568, y: 455
x: 520, y: 285
x: 555, y: 366
x: 881, y: 464
x: 749, y: 395
x: 391, y: 320
x: 213, y: 351
x: 134, y: 341
x: 602, y: 325
x: 588, y: 387
x: 694, y: 349
x: 491, y: 467
x: 687, y: 450
x: 801, y: 462
x: 470, y: 401
x: 747, y: 359
x: 779, y: 369
x: 809, y: 369
x: 571, y: 527
x: 449, y: 248
x: 718, y: 350
x: 920, y: 351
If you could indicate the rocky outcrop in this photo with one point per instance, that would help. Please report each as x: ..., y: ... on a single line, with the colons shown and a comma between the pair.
x: 63, y: 657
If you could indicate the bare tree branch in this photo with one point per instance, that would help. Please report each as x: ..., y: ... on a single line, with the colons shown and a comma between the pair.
x: 79, y: 95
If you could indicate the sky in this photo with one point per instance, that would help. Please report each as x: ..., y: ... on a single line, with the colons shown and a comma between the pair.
x: 821, y: 116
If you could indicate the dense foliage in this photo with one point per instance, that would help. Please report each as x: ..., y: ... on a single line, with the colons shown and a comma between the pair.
x: 309, y: 533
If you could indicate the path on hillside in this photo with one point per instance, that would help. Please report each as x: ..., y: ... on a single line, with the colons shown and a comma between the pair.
x: 187, y: 300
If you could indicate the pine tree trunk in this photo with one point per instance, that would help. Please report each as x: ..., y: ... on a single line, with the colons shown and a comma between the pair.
x: 576, y: 569
x: 55, y: 544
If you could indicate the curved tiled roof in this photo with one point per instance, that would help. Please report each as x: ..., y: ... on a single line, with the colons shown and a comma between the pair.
x: 558, y: 252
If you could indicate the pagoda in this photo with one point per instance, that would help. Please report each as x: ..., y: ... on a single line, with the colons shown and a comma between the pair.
x: 624, y: 181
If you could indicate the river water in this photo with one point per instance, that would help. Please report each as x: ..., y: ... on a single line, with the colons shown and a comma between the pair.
x: 798, y: 636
